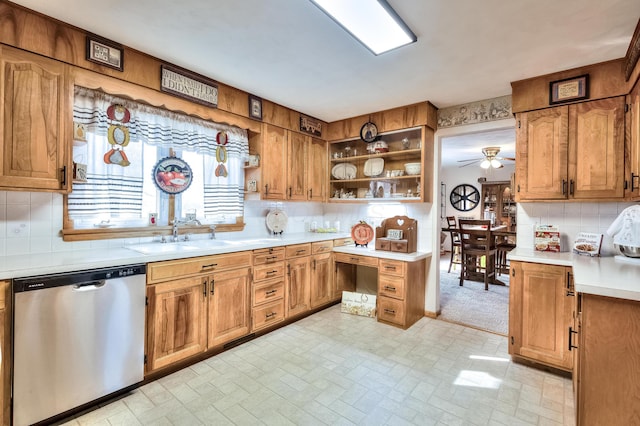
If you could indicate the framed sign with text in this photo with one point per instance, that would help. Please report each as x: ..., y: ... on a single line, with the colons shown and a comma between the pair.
x: 104, y: 52
x: 310, y: 125
x: 188, y: 85
x: 569, y: 90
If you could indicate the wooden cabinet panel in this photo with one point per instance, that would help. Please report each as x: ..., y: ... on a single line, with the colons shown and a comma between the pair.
x: 391, y: 286
x: 162, y: 271
x: 608, y: 370
x: 541, y: 154
x: 596, y: 149
x: 176, y: 321
x: 5, y: 352
x: 321, y: 279
x: 268, y: 315
x: 321, y: 247
x: 35, y: 113
x: 356, y: 260
x: 298, y: 250
x: 297, y: 296
x: 317, y: 170
x: 392, y: 267
x: 540, y: 313
x: 344, y: 278
x: 339, y: 242
x: 391, y: 310
x: 228, y: 310
x: 273, y: 158
x: 297, y: 144
x: 633, y: 133
x: 264, y: 272
x: 268, y: 256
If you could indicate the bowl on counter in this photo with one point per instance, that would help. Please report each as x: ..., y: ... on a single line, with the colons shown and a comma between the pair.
x: 629, y: 251
x: 412, y: 168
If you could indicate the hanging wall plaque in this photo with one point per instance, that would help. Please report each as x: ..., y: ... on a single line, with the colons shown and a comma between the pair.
x: 172, y: 175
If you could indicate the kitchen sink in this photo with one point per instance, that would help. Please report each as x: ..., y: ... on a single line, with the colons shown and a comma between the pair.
x: 159, y: 248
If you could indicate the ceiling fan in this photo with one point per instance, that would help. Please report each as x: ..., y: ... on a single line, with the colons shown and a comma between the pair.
x: 490, y: 158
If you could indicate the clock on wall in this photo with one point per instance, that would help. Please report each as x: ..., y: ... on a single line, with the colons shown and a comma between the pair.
x: 464, y: 197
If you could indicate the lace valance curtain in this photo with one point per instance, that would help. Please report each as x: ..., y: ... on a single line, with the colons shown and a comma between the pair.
x: 118, y: 191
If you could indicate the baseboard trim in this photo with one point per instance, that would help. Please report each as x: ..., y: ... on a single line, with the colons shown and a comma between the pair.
x: 430, y: 314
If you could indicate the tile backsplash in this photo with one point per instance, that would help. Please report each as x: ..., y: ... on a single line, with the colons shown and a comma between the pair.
x: 31, y: 222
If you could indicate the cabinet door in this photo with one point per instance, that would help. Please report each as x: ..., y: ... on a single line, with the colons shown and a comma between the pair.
x: 634, y: 132
x: 297, y: 166
x: 176, y: 321
x: 540, y: 313
x: 5, y: 353
x: 273, y: 162
x: 596, y: 149
x: 541, y: 154
x: 35, y: 108
x: 321, y: 276
x: 229, y: 309
x: 297, y: 296
x: 317, y: 170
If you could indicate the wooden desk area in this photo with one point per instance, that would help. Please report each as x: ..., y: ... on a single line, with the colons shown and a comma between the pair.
x: 401, y: 281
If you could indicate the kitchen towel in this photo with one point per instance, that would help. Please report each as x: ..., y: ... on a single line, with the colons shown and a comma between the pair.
x: 625, y: 230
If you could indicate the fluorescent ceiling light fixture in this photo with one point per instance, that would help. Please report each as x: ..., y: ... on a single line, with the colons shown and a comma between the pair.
x: 373, y: 23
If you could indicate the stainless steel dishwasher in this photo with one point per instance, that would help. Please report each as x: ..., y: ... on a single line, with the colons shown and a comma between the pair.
x: 77, y: 337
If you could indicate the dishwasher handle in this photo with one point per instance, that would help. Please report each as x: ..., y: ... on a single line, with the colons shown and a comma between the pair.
x: 89, y: 285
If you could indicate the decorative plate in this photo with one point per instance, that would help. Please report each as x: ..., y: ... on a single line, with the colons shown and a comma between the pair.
x: 344, y: 171
x: 362, y: 233
x: 369, y: 132
x: 373, y: 167
x: 172, y: 175
x: 277, y: 221
x: 119, y: 113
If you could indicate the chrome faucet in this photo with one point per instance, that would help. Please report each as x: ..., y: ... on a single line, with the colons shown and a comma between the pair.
x: 213, y: 232
x: 175, y: 229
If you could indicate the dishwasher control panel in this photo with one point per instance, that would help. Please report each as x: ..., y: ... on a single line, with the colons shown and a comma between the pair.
x: 80, y: 277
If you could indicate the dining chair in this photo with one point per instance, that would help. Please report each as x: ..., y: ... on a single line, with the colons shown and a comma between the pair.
x: 455, y: 242
x: 503, y: 246
x: 476, y: 241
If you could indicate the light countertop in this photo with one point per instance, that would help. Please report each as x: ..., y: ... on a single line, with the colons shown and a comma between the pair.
x: 19, y: 266
x: 604, y: 276
x: 382, y: 254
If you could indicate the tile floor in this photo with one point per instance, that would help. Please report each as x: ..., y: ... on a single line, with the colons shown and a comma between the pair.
x: 338, y: 369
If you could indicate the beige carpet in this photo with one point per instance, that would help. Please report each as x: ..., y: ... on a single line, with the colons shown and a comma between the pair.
x: 470, y: 304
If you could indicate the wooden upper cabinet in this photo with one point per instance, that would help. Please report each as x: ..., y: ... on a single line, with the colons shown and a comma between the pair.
x: 596, y: 149
x: 571, y: 152
x: 36, y: 122
x: 317, y: 170
x: 541, y: 154
x: 297, y: 144
x: 274, y: 152
x: 633, y: 132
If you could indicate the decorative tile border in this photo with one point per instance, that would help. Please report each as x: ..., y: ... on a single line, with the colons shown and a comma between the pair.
x: 475, y: 112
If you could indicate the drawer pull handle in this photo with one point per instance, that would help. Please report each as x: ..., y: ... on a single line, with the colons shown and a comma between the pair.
x: 272, y: 272
x: 390, y: 268
x: 272, y: 315
x: 211, y: 265
x: 390, y: 311
x: 271, y: 258
x: 389, y: 288
x: 270, y: 293
x: 571, y: 333
x: 301, y: 251
x: 355, y: 259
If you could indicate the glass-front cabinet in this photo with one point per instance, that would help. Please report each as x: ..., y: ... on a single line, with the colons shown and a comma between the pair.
x: 390, y: 167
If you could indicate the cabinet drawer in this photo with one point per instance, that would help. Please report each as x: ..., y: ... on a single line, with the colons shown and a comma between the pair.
x: 392, y: 267
x: 265, y: 272
x: 321, y: 247
x: 298, y: 250
x: 339, y: 242
x: 267, y: 315
x: 356, y: 259
x: 270, y: 255
x: 391, y: 310
x: 268, y: 291
x: 170, y: 269
x: 391, y: 286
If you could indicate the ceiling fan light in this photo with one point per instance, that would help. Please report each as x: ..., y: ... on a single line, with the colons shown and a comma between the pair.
x: 485, y: 164
x: 496, y: 164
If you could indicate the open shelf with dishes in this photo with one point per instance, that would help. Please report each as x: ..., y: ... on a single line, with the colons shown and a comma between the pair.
x: 391, y: 167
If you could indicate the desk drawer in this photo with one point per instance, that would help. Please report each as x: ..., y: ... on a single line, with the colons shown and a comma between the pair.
x: 342, y: 242
x: 298, y: 250
x: 321, y: 247
x: 265, y: 272
x: 268, y: 315
x: 391, y: 310
x: 392, y: 267
x: 391, y: 286
x: 268, y: 291
x: 266, y: 256
x: 356, y: 259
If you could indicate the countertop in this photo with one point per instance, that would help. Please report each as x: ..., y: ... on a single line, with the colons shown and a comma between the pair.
x: 612, y: 276
x: 382, y: 254
x: 19, y: 266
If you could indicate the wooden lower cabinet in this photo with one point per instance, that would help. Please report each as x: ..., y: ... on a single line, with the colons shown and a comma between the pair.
x: 401, y: 291
x: 321, y: 279
x: 268, y: 288
x: 298, y: 286
x: 186, y: 316
x: 608, y: 374
x: 176, y: 321
x: 540, y: 313
x: 228, y: 310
